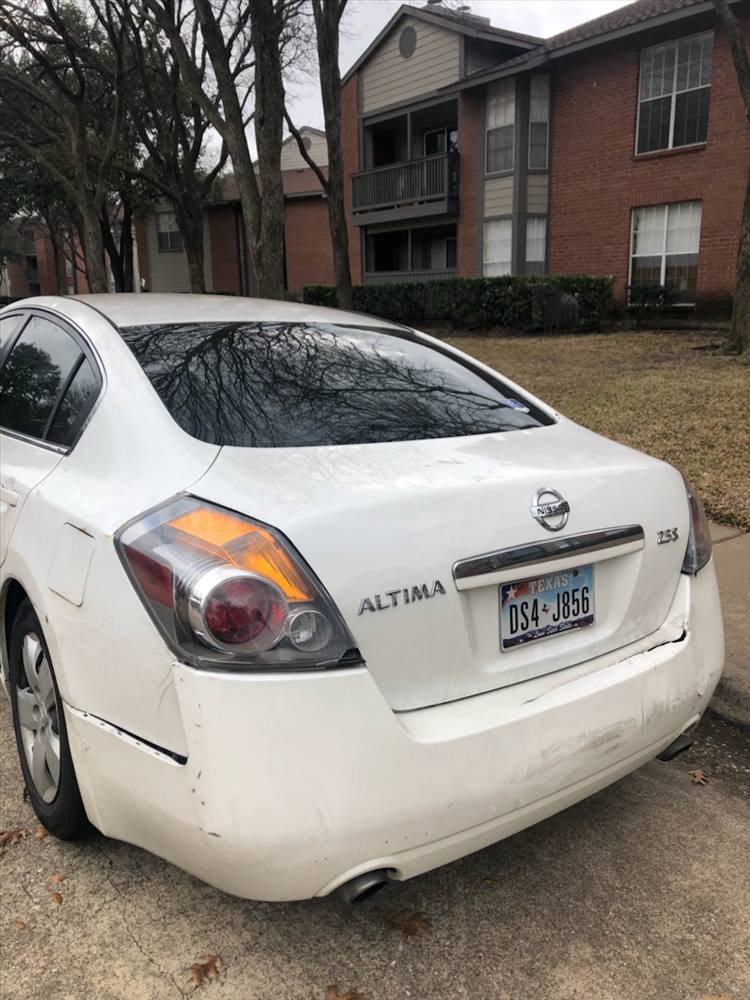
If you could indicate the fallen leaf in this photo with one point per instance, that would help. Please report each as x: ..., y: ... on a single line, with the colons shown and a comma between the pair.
x: 207, y: 968
x: 25, y: 794
x: 13, y: 835
x: 56, y: 878
x: 40, y: 833
x: 332, y: 993
x: 21, y: 925
x: 410, y: 924
x: 699, y: 778
x: 56, y: 898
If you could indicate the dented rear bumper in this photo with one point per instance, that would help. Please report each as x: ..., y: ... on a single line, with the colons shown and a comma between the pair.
x: 293, y: 784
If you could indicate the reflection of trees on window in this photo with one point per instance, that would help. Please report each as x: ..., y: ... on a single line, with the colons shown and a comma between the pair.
x: 29, y: 384
x: 279, y: 385
x: 77, y: 396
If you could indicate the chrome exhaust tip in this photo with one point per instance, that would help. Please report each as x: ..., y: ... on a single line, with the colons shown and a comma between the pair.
x: 360, y: 887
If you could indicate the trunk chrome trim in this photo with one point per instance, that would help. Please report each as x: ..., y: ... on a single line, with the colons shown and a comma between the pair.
x: 517, y: 556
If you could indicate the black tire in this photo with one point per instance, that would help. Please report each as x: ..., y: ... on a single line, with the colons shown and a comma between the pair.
x: 64, y: 815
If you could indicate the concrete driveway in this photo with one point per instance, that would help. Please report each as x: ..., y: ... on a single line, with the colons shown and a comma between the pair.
x: 639, y: 893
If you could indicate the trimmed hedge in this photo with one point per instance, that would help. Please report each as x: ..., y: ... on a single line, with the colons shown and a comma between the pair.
x: 512, y: 301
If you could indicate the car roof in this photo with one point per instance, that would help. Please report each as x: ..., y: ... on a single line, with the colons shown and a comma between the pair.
x: 145, y: 308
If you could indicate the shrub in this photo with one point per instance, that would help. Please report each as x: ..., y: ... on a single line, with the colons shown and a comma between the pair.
x: 648, y: 301
x: 517, y: 302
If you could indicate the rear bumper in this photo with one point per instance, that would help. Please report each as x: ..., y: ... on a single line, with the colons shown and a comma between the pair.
x: 296, y: 783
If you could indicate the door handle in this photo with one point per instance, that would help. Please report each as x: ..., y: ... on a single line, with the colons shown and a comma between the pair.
x: 8, y: 495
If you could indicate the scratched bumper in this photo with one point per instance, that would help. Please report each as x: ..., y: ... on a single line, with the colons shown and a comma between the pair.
x: 296, y: 783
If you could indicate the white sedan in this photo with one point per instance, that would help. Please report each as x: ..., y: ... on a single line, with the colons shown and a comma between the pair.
x: 304, y: 601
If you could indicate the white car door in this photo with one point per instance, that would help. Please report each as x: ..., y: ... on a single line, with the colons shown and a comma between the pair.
x: 46, y: 381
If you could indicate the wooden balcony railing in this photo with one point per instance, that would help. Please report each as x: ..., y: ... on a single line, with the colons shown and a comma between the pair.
x: 416, y: 182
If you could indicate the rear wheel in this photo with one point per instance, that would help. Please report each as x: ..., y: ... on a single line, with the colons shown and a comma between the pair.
x: 39, y: 725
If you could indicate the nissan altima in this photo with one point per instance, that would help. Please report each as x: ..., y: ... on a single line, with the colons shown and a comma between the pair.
x: 303, y: 600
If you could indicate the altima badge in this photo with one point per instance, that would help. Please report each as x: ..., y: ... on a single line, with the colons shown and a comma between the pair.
x: 408, y: 595
x: 550, y: 509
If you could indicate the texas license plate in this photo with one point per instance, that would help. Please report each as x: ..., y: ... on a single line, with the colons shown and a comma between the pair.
x: 546, y: 605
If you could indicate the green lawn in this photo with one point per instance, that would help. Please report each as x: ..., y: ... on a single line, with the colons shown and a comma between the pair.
x: 672, y: 395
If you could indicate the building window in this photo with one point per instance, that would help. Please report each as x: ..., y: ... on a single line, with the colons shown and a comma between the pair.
x: 167, y: 233
x: 665, y: 248
x: 498, y: 244
x: 539, y: 123
x: 501, y: 118
x: 536, y: 245
x: 674, y: 91
x: 440, y: 140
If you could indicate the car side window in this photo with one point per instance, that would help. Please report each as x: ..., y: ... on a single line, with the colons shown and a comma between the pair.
x: 9, y: 327
x: 74, y: 405
x: 47, y: 385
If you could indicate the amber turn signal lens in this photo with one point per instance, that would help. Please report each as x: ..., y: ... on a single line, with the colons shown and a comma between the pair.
x: 248, y: 546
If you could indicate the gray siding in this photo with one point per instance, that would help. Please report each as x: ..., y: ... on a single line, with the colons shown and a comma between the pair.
x: 388, y: 78
x: 291, y: 158
x: 537, y: 194
x: 169, y: 271
x: 498, y: 196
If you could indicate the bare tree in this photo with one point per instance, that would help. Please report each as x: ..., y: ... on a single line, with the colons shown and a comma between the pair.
x: 739, y: 340
x: 170, y: 128
x: 58, y: 110
x: 239, y: 37
x: 327, y: 15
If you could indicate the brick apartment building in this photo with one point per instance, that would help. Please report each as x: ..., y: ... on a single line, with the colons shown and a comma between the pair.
x: 619, y: 147
x: 227, y: 265
x: 161, y: 263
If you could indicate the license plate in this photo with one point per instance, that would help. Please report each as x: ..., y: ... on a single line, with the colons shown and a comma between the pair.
x: 545, y: 606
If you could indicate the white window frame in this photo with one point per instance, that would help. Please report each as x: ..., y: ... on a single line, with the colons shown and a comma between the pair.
x: 543, y: 259
x: 664, y: 254
x: 510, y: 84
x: 169, y: 249
x: 539, y: 121
x: 485, y: 262
x: 675, y: 44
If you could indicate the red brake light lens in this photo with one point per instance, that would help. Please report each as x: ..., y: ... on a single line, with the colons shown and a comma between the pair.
x: 226, y: 590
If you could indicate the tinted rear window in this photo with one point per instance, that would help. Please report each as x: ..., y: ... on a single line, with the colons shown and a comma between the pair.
x: 283, y: 385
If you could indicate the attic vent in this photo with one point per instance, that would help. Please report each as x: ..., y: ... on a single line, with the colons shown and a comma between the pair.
x: 407, y: 41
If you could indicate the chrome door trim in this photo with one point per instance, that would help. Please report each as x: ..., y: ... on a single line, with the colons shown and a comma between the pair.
x: 517, y: 556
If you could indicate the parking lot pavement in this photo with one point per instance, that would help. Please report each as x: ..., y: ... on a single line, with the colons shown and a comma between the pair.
x: 639, y: 893
x: 732, y: 556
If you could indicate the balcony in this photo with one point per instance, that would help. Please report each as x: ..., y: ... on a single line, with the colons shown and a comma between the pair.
x: 422, y: 187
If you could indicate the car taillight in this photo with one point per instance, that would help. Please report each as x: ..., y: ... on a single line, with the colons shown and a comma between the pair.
x: 699, y: 544
x: 228, y: 591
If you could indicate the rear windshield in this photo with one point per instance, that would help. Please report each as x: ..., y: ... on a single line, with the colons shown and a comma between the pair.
x: 275, y: 385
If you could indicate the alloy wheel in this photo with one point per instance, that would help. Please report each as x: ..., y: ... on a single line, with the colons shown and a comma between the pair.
x: 39, y: 717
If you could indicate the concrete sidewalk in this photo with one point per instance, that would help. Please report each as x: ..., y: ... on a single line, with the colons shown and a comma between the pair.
x: 732, y: 555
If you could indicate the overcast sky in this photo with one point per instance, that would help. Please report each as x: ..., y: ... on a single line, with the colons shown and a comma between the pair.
x: 365, y: 18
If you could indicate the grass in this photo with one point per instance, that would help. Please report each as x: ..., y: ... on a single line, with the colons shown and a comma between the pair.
x: 672, y: 395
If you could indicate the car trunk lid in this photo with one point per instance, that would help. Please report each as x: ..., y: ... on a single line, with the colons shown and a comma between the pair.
x: 384, y: 525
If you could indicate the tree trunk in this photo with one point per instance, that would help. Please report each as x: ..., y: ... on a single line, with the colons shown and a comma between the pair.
x: 126, y: 245
x: 327, y: 23
x: 190, y: 222
x: 58, y: 259
x: 268, y: 248
x: 93, y: 249
x: 739, y: 339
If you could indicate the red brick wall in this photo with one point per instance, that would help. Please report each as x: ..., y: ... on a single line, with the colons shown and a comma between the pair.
x: 309, y: 257
x: 225, y: 259
x: 350, y: 152
x: 470, y: 121
x: 596, y: 179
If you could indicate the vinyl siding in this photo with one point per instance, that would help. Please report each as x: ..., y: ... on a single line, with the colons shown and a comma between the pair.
x: 388, y: 78
x: 498, y: 196
x: 537, y: 194
x: 169, y: 271
x: 291, y: 158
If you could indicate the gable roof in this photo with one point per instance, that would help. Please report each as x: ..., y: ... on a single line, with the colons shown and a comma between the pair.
x: 453, y: 21
x: 638, y: 16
